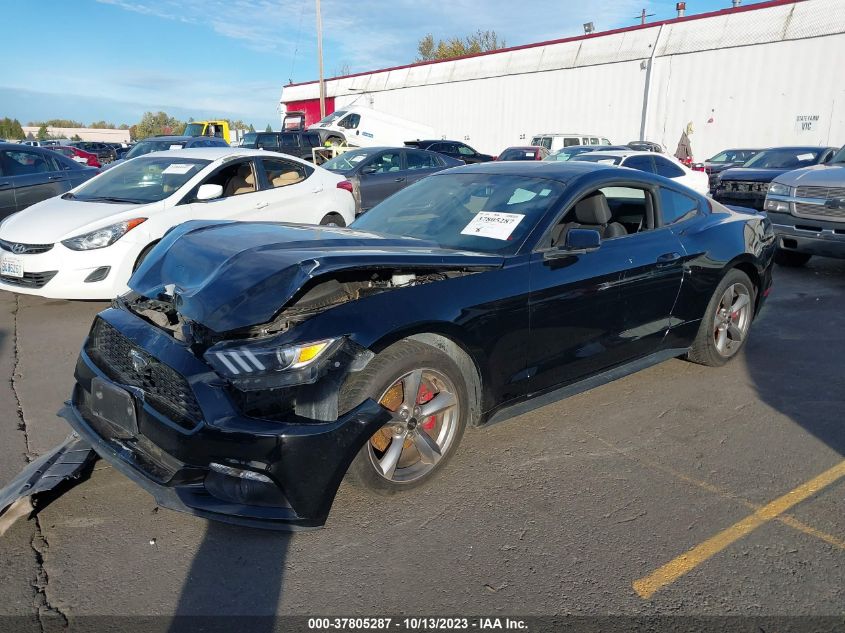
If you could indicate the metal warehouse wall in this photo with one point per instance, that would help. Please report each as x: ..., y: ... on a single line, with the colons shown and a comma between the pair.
x: 765, y: 75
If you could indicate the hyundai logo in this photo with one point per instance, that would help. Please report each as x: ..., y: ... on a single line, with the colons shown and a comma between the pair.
x: 833, y: 203
x: 19, y: 249
x: 139, y: 363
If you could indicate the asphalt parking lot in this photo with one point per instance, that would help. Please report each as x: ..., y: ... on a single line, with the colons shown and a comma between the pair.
x: 678, y: 490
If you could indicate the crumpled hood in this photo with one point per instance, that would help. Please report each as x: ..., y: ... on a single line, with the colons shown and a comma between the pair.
x: 230, y: 275
x: 751, y: 174
x: 831, y: 175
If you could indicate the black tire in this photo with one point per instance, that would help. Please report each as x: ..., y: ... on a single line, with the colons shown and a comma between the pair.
x: 333, y: 219
x: 704, y: 350
x: 143, y: 255
x: 380, y: 374
x: 791, y: 259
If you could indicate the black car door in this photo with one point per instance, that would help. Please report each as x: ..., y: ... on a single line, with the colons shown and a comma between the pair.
x: 381, y: 176
x: 467, y: 154
x: 447, y: 149
x: 420, y: 164
x: 595, y: 310
x: 7, y: 190
x: 35, y: 176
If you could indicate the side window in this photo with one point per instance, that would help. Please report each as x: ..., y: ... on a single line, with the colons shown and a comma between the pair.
x: 350, y: 122
x: 569, y: 141
x: 594, y: 140
x: 236, y: 179
x: 267, y: 141
x: 675, y: 206
x: 643, y: 163
x: 421, y: 160
x: 612, y: 211
x: 24, y: 163
x: 385, y: 163
x: 666, y: 168
x: 465, y: 150
x: 604, y: 141
x: 281, y: 173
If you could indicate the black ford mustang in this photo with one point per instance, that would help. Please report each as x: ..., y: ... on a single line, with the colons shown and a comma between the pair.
x: 253, y: 365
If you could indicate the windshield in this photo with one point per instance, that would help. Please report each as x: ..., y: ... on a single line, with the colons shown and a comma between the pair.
x: 568, y: 153
x: 249, y: 139
x: 598, y: 158
x: 145, y: 147
x: 839, y: 157
x: 733, y: 156
x: 141, y: 181
x: 784, y: 158
x: 477, y: 212
x: 331, y: 118
x: 345, y: 162
x: 193, y: 129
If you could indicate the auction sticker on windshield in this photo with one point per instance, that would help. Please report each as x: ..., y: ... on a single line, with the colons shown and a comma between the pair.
x: 494, y: 224
x: 11, y: 267
x: 178, y: 168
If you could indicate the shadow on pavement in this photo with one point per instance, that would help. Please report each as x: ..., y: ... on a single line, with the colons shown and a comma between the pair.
x: 796, y: 353
x: 236, y: 572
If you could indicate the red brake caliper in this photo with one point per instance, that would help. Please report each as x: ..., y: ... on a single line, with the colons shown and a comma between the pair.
x: 425, y: 395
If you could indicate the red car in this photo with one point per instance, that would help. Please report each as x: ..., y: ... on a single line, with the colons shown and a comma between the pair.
x: 524, y: 152
x: 79, y: 155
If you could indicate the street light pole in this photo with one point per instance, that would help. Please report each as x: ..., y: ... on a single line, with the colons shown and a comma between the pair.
x: 320, y: 59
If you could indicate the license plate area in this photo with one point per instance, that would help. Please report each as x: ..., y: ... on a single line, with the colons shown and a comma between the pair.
x: 11, y: 267
x: 114, y: 405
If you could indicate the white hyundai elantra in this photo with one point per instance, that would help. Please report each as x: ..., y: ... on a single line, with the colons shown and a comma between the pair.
x: 86, y: 243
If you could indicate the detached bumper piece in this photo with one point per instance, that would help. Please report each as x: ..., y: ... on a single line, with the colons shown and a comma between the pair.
x: 169, y: 424
x: 65, y: 462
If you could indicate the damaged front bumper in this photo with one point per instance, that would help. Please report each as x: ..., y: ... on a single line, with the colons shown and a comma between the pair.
x: 223, y: 465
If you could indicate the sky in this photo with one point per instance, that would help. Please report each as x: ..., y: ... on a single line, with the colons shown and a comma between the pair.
x: 115, y: 59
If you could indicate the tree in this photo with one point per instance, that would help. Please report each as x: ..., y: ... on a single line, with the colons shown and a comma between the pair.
x: 42, y: 134
x: 57, y: 123
x: 478, y: 42
x: 102, y: 125
x: 268, y: 128
x: 11, y: 128
x: 133, y: 130
x: 251, y: 127
x: 76, y: 137
x: 156, y: 123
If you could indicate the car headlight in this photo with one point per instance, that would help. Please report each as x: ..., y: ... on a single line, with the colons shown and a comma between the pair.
x: 262, y: 366
x: 103, y: 237
x: 778, y: 189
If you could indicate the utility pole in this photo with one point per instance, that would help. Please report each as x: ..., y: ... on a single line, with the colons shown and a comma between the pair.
x: 642, y: 16
x: 320, y: 58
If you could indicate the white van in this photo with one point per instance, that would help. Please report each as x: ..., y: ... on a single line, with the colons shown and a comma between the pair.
x: 365, y: 127
x: 554, y: 142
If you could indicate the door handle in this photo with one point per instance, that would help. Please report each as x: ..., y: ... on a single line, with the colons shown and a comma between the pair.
x: 55, y: 177
x: 261, y: 205
x: 399, y: 180
x: 668, y: 258
x: 316, y: 190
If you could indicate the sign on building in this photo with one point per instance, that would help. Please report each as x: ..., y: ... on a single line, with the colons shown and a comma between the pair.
x: 806, y: 122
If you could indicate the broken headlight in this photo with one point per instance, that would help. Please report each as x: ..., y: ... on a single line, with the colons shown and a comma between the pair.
x: 264, y: 365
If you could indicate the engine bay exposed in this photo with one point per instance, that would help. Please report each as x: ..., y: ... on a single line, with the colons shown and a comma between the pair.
x: 314, y: 298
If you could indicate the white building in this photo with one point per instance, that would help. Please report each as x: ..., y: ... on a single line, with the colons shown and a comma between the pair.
x: 84, y: 133
x: 754, y: 76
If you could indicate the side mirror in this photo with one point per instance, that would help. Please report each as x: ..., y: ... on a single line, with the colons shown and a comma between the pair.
x: 209, y: 192
x: 583, y: 240
x: 366, y: 170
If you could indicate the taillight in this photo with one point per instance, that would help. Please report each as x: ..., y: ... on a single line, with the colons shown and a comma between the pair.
x: 697, y: 167
x: 346, y: 185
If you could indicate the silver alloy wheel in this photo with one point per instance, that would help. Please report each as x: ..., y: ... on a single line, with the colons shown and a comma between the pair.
x: 732, y: 319
x: 413, y: 442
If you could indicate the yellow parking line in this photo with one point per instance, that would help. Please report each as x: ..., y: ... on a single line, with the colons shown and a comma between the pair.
x: 671, y: 571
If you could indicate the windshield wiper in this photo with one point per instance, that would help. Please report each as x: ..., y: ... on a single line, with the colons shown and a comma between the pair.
x: 113, y: 199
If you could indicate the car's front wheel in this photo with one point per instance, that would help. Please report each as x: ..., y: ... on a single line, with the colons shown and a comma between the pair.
x: 724, y: 328
x: 332, y: 219
x: 426, y: 393
x: 791, y: 259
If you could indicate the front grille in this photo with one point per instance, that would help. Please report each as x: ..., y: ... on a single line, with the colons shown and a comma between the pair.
x: 818, y: 211
x: 823, y: 193
x: 165, y: 390
x: 743, y: 186
x: 30, y: 280
x: 24, y: 249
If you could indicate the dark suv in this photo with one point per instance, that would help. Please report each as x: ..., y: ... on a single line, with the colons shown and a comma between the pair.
x: 452, y: 149
x: 298, y: 143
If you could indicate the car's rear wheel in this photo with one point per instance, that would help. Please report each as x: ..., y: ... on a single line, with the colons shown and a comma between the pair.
x: 727, y: 320
x: 791, y: 259
x: 333, y: 219
x: 426, y: 393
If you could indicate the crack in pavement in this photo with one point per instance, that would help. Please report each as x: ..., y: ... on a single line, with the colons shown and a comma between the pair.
x: 50, y: 617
